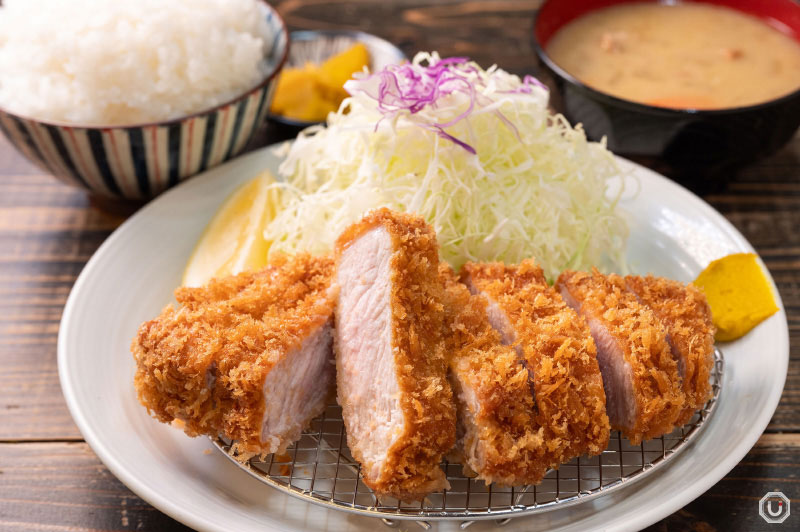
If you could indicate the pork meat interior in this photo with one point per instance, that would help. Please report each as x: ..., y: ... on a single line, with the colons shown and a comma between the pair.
x: 498, y: 436
x: 684, y: 312
x: 640, y: 375
x: 555, y: 346
x: 246, y: 356
x: 397, y: 404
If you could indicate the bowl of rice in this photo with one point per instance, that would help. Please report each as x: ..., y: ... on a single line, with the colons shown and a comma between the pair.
x: 126, y: 99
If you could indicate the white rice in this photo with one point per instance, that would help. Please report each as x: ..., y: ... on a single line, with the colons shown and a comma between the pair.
x: 110, y: 62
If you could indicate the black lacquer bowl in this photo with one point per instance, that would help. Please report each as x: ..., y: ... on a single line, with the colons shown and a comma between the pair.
x: 697, y: 147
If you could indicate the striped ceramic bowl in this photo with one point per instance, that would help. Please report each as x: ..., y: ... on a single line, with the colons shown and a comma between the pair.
x: 138, y: 162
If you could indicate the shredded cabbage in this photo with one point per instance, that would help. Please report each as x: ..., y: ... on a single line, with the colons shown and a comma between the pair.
x: 474, y: 151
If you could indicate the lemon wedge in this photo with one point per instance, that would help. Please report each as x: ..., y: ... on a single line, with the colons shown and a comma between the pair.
x: 233, y: 241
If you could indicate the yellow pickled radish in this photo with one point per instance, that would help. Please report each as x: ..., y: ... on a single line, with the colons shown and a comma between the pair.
x: 340, y: 67
x: 310, y: 92
x: 738, y: 293
x: 303, y: 95
x: 233, y: 241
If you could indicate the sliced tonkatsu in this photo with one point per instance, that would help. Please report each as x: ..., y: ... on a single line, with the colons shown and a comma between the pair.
x: 684, y: 312
x: 555, y: 346
x: 397, y: 404
x: 498, y: 436
x: 247, y: 356
x: 640, y: 375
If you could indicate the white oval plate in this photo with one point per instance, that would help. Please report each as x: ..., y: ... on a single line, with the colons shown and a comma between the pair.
x: 132, y: 276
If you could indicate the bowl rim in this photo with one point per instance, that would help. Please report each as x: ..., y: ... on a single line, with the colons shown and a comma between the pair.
x: 631, y: 105
x: 310, y: 35
x: 163, y: 123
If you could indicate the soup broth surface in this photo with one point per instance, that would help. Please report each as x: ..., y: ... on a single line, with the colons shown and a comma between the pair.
x: 685, y: 55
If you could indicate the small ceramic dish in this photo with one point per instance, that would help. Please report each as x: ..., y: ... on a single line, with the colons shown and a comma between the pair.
x: 696, y: 147
x: 139, y: 161
x: 315, y: 46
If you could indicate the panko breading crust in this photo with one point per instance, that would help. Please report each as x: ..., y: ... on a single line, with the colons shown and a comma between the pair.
x: 555, y: 344
x: 498, y: 436
x: 426, y: 398
x: 204, y: 362
x: 657, y: 388
x: 684, y: 311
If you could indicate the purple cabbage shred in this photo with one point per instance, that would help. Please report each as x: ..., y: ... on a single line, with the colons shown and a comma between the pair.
x: 411, y: 88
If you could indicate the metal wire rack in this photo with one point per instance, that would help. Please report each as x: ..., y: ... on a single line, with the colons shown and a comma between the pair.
x: 320, y: 469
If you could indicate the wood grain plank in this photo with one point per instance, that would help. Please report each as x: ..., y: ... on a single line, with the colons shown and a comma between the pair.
x: 47, y: 233
x: 732, y: 504
x: 447, y: 26
x: 63, y: 486
x: 31, y: 404
x: 25, y: 218
x: 46, y: 486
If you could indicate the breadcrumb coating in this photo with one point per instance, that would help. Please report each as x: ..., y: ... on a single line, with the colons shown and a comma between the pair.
x: 658, y: 397
x: 558, y: 350
x: 411, y: 469
x: 685, y: 313
x: 498, y: 438
x: 204, y: 362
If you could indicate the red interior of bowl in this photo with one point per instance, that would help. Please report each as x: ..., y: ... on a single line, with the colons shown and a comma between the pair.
x: 783, y: 15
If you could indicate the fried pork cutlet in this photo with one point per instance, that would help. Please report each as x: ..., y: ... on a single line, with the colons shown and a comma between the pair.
x: 397, y: 404
x: 498, y: 437
x: 685, y: 313
x: 640, y: 375
x: 247, y: 356
x: 555, y: 346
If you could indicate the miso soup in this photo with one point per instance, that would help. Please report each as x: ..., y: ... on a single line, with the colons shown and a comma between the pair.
x: 685, y: 55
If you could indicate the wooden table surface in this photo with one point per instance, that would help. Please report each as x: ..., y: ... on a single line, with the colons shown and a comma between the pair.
x: 49, y: 477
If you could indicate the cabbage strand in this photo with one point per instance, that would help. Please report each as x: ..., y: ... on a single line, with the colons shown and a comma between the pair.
x: 475, y: 152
